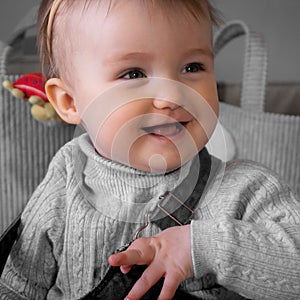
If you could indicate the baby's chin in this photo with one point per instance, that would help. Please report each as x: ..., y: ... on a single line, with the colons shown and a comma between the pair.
x: 152, y: 161
x: 158, y: 164
x: 155, y: 164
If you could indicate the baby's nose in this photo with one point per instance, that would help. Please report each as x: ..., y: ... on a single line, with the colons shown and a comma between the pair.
x: 165, y: 104
x: 170, y: 97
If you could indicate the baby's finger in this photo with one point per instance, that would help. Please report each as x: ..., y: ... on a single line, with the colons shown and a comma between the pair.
x: 125, y: 269
x: 170, y: 286
x: 150, y: 277
x: 129, y: 257
x: 139, y: 253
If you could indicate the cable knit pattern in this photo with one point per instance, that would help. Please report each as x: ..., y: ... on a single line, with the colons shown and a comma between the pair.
x: 249, y: 239
x: 245, y: 235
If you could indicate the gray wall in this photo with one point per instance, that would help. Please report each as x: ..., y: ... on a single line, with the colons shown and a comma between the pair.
x: 278, y: 20
x: 10, y: 12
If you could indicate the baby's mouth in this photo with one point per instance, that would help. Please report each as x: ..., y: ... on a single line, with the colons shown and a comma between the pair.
x: 167, y: 130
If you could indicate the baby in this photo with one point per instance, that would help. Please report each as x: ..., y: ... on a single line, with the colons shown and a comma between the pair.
x: 139, y: 77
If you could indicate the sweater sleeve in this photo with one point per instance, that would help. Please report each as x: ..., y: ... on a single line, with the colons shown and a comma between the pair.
x: 250, y: 237
x: 32, y: 265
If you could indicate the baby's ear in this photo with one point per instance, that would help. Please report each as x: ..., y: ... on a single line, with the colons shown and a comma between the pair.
x: 62, y: 101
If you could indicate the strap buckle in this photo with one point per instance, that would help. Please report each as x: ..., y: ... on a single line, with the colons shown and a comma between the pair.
x: 170, y: 196
x: 167, y: 197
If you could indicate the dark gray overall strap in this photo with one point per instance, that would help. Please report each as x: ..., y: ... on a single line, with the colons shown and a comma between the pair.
x: 7, y: 240
x: 116, y: 285
x: 184, y: 213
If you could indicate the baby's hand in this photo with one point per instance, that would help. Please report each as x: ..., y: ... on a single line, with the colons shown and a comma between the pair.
x: 167, y: 254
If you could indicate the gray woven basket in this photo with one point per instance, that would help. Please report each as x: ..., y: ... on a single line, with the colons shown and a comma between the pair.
x: 27, y: 146
x: 269, y: 138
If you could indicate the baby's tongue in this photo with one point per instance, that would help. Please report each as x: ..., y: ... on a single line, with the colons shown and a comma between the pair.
x: 165, y: 130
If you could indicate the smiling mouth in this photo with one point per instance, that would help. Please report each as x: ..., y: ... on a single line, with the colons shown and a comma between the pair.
x: 167, y: 130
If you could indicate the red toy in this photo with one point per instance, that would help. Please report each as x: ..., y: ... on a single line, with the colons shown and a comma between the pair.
x: 31, y: 88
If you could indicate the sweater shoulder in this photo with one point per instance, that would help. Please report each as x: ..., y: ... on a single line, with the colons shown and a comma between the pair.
x: 64, y: 156
x: 250, y: 183
x: 48, y: 202
x: 250, y: 173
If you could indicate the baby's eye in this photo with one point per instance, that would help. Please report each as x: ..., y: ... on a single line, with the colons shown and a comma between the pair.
x: 134, y: 74
x: 193, y: 67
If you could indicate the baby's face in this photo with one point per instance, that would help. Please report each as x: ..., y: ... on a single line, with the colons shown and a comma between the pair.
x: 136, y: 79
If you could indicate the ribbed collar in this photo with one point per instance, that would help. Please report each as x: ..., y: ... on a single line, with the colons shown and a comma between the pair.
x: 122, y: 192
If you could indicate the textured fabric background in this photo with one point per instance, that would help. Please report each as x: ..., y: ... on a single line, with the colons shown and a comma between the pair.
x: 26, y: 149
x: 272, y: 139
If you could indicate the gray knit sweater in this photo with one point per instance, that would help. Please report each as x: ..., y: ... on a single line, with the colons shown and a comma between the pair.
x: 245, y: 236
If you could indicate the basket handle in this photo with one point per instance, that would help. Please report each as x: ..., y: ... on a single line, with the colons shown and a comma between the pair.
x: 28, y: 22
x: 255, y: 63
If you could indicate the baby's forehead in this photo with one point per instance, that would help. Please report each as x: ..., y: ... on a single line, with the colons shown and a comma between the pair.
x: 73, y: 24
x: 74, y: 14
x: 192, y: 8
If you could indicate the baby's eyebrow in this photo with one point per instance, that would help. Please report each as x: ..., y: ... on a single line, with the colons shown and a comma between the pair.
x: 200, y: 51
x: 119, y: 57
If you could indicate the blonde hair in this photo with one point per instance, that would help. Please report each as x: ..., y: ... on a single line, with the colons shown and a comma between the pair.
x: 50, y: 8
